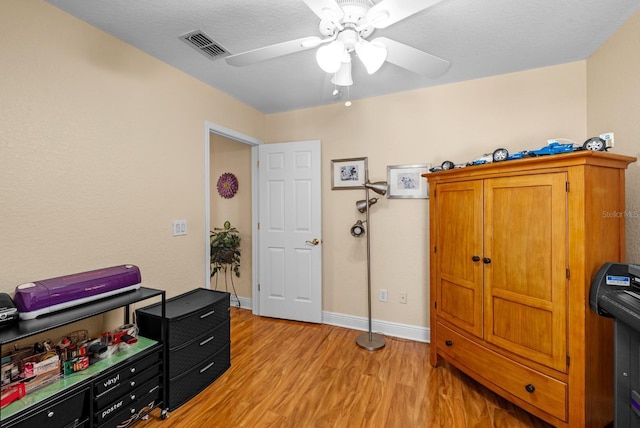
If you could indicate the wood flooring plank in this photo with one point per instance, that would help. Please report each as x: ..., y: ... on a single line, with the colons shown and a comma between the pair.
x: 286, y: 374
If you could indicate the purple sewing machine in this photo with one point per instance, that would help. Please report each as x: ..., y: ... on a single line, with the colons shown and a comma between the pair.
x: 34, y: 299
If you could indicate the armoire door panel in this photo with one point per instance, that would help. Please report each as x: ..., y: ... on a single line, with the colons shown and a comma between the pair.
x: 525, y: 283
x: 459, y: 239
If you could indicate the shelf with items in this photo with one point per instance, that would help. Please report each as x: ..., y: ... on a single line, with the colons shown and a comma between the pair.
x: 76, y: 388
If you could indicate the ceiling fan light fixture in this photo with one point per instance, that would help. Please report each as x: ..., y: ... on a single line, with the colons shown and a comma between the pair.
x: 343, y: 75
x: 372, y: 55
x: 329, y: 57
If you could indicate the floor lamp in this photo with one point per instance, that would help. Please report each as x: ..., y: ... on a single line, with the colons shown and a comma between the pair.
x: 369, y: 340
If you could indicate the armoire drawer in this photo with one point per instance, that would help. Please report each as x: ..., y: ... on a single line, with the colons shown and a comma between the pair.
x: 533, y: 388
x: 199, y: 349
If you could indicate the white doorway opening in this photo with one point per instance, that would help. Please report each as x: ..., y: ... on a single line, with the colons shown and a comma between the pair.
x: 213, y: 128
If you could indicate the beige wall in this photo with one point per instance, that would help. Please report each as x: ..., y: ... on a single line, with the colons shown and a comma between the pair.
x: 101, y: 148
x: 234, y: 157
x: 613, y: 88
x: 458, y: 122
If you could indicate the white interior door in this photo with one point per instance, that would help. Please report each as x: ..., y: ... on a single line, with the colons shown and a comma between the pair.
x: 290, y: 234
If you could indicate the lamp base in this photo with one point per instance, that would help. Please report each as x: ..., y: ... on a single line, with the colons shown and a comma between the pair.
x: 370, y: 341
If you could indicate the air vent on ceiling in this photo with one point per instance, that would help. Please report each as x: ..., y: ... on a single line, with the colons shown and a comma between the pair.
x: 204, y: 44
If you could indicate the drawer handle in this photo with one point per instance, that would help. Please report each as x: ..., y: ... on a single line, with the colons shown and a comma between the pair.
x: 154, y: 388
x: 204, y: 342
x: 207, y: 368
x: 133, y: 383
x: 207, y: 314
x: 448, y: 342
x: 50, y: 414
x: 530, y: 388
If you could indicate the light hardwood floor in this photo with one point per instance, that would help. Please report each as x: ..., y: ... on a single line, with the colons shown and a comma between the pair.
x: 298, y: 375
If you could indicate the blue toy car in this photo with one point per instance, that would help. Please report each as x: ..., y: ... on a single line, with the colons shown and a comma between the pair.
x: 553, y: 148
x: 519, y: 155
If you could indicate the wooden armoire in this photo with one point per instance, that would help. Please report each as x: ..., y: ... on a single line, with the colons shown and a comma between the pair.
x: 513, y: 248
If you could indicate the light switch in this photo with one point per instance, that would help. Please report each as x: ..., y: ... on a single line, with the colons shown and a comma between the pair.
x: 179, y: 227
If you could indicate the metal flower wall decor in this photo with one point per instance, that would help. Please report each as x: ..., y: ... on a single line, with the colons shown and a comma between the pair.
x: 227, y: 185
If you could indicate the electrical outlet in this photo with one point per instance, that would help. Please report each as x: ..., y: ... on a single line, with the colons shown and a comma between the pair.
x: 383, y: 295
x: 403, y: 297
x: 608, y: 138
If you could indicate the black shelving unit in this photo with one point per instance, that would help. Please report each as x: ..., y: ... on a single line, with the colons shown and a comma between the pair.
x: 27, y: 328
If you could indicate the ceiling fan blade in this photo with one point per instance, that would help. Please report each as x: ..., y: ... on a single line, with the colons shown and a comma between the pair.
x: 389, y: 12
x: 273, y: 51
x: 325, y: 9
x: 413, y: 59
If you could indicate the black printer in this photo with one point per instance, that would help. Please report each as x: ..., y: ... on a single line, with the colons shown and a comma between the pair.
x: 615, y: 293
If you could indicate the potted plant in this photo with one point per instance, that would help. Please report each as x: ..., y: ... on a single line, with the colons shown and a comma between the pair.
x: 225, y: 249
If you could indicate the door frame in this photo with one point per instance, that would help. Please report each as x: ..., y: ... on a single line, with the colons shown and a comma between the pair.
x: 213, y: 128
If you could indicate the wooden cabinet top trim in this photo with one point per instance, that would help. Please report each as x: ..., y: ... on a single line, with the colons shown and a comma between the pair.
x: 586, y: 157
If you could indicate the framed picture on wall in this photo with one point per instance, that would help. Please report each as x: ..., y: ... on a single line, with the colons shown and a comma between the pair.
x: 348, y: 173
x: 405, y: 181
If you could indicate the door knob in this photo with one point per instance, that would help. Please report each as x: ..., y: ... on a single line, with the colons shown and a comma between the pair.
x: 475, y: 258
x: 486, y: 260
x: 315, y: 241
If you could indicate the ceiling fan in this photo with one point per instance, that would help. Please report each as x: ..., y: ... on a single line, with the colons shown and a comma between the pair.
x: 345, y: 26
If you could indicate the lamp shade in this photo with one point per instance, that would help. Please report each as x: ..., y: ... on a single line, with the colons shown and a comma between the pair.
x: 372, y: 55
x: 330, y: 56
x: 361, y: 205
x: 343, y: 75
x: 380, y: 187
x: 357, y: 229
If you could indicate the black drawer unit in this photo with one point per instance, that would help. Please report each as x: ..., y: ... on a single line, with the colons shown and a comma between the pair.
x: 188, y: 384
x: 197, y: 327
x: 110, y: 393
x: 117, y: 392
x: 70, y: 410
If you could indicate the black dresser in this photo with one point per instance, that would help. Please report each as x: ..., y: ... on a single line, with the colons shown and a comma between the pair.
x: 198, y: 342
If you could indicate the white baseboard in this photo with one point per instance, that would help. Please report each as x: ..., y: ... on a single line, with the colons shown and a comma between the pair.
x: 387, y: 328
x: 245, y: 302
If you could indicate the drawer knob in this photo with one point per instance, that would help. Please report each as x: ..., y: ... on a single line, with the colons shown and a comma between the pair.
x: 448, y: 342
x: 530, y: 388
x: 133, y: 383
x: 133, y: 370
x: 50, y: 414
x: 475, y: 258
x: 133, y: 397
x: 486, y: 260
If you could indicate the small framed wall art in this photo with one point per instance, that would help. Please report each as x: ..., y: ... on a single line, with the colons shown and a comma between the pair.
x: 405, y: 181
x: 348, y: 173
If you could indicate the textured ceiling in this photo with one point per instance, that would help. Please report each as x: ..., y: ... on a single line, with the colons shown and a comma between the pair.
x: 479, y: 37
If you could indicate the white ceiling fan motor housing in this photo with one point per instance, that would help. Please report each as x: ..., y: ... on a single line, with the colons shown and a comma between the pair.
x: 354, y: 14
